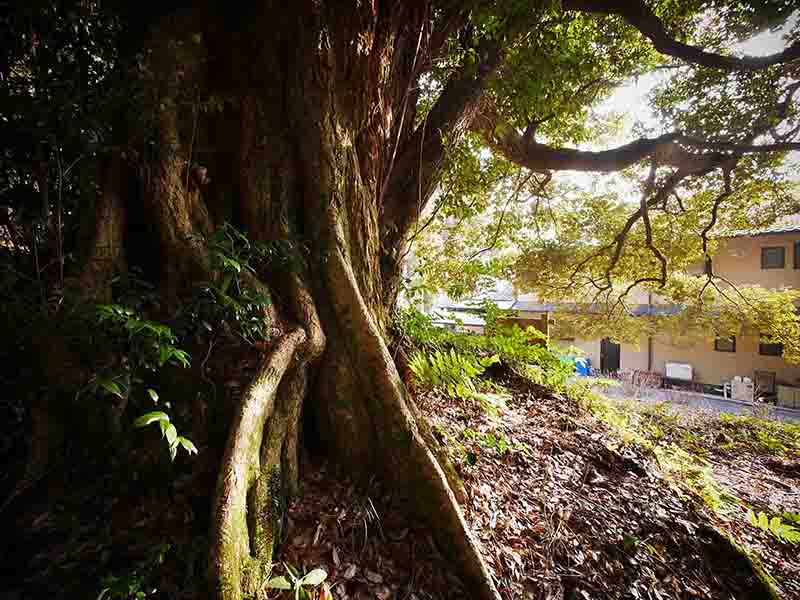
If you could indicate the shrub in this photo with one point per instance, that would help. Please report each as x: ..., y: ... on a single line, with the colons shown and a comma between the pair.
x: 452, y: 372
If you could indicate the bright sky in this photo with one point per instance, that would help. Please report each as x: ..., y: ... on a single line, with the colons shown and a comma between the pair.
x: 631, y: 99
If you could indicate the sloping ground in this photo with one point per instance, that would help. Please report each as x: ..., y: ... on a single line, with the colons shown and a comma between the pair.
x: 109, y: 532
x: 365, y: 542
x: 565, y: 508
x: 755, y: 464
x: 119, y: 516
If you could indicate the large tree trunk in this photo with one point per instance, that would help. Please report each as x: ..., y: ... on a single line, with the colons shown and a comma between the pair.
x: 301, y: 151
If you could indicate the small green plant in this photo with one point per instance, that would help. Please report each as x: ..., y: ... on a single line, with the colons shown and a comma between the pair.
x: 416, y: 326
x: 168, y: 432
x: 761, y: 435
x: 493, y: 315
x: 148, y: 345
x: 631, y: 543
x: 133, y: 585
x: 127, y: 587
x: 529, y: 352
x: 775, y: 526
x: 145, y: 346
x: 497, y: 441
x: 232, y: 302
x: 451, y: 371
x: 792, y: 517
x: 300, y: 585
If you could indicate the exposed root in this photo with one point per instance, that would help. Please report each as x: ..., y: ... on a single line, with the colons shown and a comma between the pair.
x: 408, y: 460
x: 260, y: 465
x: 230, y: 541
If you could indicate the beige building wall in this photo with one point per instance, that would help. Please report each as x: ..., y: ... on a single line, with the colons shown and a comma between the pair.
x: 633, y: 357
x: 709, y: 365
x: 739, y: 260
x: 714, y: 367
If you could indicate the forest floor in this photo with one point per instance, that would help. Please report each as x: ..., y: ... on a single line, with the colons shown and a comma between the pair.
x: 599, y: 501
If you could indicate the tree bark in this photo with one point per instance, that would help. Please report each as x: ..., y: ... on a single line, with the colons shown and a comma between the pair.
x: 105, y: 251
x: 317, y: 105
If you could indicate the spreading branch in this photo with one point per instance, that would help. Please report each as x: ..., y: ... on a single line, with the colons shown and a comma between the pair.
x: 639, y: 15
x: 421, y: 156
x: 674, y: 149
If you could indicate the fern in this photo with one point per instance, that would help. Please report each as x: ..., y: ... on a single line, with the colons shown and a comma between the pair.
x: 776, y: 526
x: 451, y: 372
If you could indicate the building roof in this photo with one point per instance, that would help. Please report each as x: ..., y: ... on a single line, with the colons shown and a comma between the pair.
x: 638, y: 310
x: 474, y: 304
x: 785, y: 224
x: 465, y: 318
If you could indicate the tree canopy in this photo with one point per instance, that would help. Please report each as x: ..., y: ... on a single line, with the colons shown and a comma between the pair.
x: 712, y: 158
x: 255, y: 174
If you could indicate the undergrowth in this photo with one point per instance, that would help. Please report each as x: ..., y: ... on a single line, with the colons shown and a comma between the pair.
x: 452, y: 363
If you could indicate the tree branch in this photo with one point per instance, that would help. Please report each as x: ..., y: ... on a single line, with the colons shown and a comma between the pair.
x: 413, y: 174
x: 639, y: 15
x: 672, y: 149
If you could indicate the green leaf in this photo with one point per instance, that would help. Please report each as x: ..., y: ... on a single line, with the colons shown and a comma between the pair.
x: 173, y: 452
x: 188, y: 445
x: 292, y: 571
x: 279, y: 583
x: 164, y: 354
x: 153, y: 395
x: 172, y: 435
x: 181, y: 356
x: 751, y: 517
x: 775, y: 524
x: 151, y: 417
x: 315, y: 577
x: 112, y: 387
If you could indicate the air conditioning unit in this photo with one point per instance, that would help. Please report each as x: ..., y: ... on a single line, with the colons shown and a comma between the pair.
x: 742, y: 389
x: 674, y: 370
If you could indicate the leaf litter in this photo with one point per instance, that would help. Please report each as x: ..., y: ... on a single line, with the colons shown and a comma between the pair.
x: 564, y: 508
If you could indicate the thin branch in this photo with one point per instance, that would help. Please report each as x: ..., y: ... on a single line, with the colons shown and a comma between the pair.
x: 639, y: 15
x: 496, y: 237
x: 403, y: 112
x: 648, y: 231
x: 727, y: 191
x: 429, y: 221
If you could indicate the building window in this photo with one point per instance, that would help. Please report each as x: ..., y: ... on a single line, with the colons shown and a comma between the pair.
x: 767, y: 348
x: 725, y: 344
x: 797, y: 255
x: 773, y: 257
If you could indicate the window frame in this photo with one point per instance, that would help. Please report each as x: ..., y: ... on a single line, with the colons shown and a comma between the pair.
x: 731, y: 339
x: 765, y: 249
x: 797, y: 255
x: 764, y: 345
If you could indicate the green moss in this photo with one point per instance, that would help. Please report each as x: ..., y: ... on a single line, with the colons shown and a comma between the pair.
x: 255, y: 575
x: 764, y: 587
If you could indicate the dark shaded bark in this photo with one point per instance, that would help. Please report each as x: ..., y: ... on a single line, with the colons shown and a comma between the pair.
x: 105, y: 251
x: 316, y: 109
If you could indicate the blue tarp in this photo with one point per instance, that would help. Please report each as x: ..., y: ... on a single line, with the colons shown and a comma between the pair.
x: 583, y: 366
